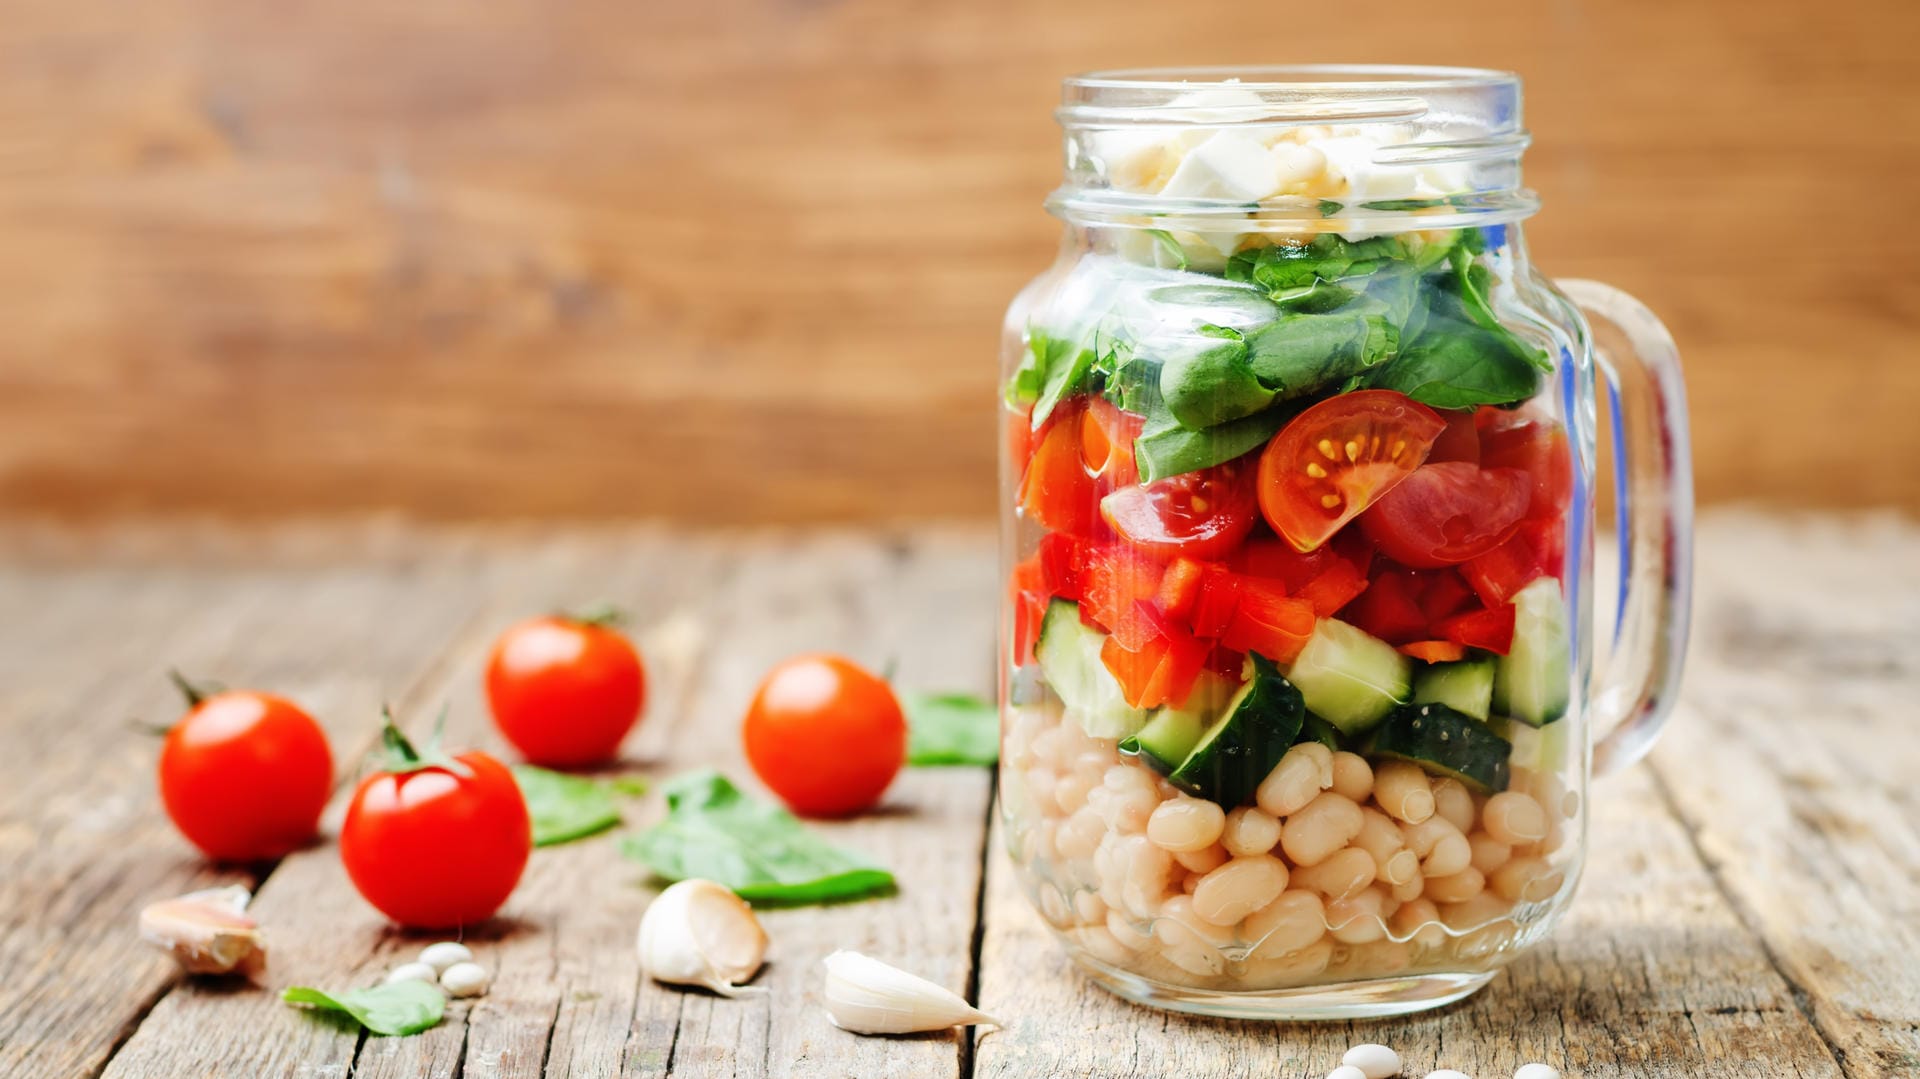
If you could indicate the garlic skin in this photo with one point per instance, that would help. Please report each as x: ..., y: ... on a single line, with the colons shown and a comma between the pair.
x: 865, y: 996
x: 207, y: 931
x: 700, y: 933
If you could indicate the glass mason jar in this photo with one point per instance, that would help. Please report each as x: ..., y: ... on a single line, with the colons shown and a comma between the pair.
x: 1298, y: 692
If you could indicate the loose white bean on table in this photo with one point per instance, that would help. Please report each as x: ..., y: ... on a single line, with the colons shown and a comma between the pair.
x: 464, y: 980
x: 413, y: 972
x: 445, y: 954
x: 1374, y: 1061
x: 1536, y: 1071
x: 1346, y: 1071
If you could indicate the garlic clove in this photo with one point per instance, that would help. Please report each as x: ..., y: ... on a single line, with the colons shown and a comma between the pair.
x: 207, y: 931
x: 700, y: 933
x: 866, y: 996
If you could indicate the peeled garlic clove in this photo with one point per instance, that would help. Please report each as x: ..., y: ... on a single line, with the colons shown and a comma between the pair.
x: 207, y: 931
x: 866, y: 996
x: 700, y: 933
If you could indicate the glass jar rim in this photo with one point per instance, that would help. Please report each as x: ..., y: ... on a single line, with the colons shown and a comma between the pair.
x: 1318, y: 78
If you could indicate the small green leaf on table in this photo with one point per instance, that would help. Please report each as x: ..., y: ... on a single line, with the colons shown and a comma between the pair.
x: 951, y: 728
x: 566, y: 807
x: 761, y: 851
x: 396, y: 1008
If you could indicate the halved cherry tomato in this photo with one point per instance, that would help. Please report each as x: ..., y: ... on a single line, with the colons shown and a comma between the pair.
x: 1490, y: 628
x: 1460, y: 441
x: 1180, y: 588
x: 1336, y: 586
x: 1084, y: 451
x: 1503, y: 571
x: 1204, y: 514
x: 1269, y: 622
x: 1331, y: 462
x: 1447, y: 513
x: 1537, y: 445
x: 1028, y: 596
x: 1435, y: 651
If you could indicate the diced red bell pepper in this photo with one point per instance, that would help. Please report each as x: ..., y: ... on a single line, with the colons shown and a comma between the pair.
x: 1063, y: 562
x: 1115, y: 580
x: 1269, y: 622
x: 1390, y: 607
x: 1226, y: 662
x: 1336, y: 586
x: 1435, y: 651
x: 1219, y: 596
x: 1497, y: 575
x: 1162, y: 670
x: 1443, y: 594
x: 1180, y: 589
x: 1490, y: 628
x: 1028, y: 598
x: 1274, y: 559
x: 1132, y: 668
x: 1548, y: 540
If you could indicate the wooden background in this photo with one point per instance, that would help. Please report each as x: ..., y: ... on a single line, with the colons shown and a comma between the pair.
x: 744, y: 259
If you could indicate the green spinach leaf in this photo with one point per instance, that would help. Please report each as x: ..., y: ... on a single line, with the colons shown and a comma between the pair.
x: 1165, y: 448
x: 395, y: 1008
x: 951, y: 728
x: 760, y: 851
x: 1205, y: 380
x: 1297, y: 356
x: 565, y: 807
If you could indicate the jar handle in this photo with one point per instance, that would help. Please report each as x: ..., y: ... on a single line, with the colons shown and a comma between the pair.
x: 1653, y: 487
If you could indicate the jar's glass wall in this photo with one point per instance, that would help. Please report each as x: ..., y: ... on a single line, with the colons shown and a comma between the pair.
x: 1297, y: 554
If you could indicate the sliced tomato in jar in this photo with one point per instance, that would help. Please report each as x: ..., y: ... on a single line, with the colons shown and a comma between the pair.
x: 1180, y: 589
x: 1029, y: 597
x: 1204, y: 514
x: 1447, y: 513
x: 1084, y: 451
x: 1503, y: 571
x: 1537, y: 446
x: 1331, y: 462
x: 1435, y: 651
x: 1269, y: 622
x: 1490, y: 628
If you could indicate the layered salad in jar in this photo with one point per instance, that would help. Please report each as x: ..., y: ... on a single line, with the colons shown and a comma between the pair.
x: 1289, y: 658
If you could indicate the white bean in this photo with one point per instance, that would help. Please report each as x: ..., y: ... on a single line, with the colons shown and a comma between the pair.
x: 1525, y: 879
x: 1514, y: 818
x: 413, y: 972
x: 1344, y: 873
x: 1403, y: 791
x: 1291, y: 922
x: 1536, y: 1071
x: 1305, y: 771
x: 1489, y: 853
x: 1456, y: 887
x: 1185, y: 824
x: 1374, y: 1061
x: 1442, y: 849
x: 1239, y: 888
x: 445, y: 954
x: 1452, y: 800
x: 1322, y: 826
x: 464, y: 980
x: 1357, y: 919
x: 1346, y: 1071
x: 1419, y: 922
x: 1250, y: 831
x: 1380, y: 837
x: 1204, y: 860
x: 1179, y: 911
x: 1352, y: 776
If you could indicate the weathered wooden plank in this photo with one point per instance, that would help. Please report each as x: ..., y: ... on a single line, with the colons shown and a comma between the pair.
x: 327, y: 935
x: 1794, y: 760
x: 1651, y: 976
x: 87, y: 843
x: 927, y: 605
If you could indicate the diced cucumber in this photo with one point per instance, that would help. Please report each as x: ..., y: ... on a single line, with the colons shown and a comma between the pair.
x: 1069, y: 655
x: 1172, y: 732
x: 1349, y: 678
x: 1466, y: 686
x: 1315, y: 729
x: 1446, y: 743
x: 1533, y: 680
x: 1258, y: 727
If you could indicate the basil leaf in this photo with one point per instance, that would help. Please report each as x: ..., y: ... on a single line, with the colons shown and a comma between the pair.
x: 1205, y: 380
x: 1176, y: 255
x: 760, y: 851
x: 1299, y: 355
x: 395, y: 1008
x: 1165, y: 448
x: 565, y: 807
x: 951, y: 728
x: 1455, y: 363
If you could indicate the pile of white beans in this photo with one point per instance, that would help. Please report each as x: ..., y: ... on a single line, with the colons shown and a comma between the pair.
x: 1341, y: 870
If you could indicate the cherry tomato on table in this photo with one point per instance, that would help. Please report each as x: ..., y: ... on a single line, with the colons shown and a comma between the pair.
x: 565, y: 691
x: 436, y: 841
x: 244, y: 775
x: 1331, y: 462
x: 825, y: 736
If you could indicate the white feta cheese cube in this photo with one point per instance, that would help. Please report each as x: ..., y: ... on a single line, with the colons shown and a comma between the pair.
x: 1229, y: 166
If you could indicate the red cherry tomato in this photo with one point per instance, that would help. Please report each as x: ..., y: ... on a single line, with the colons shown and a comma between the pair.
x: 1447, y: 513
x: 1084, y: 451
x: 1204, y: 514
x: 825, y: 736
x: 245, y: 775
x: 1538, y: 446
x: 434, y: 841
x: 1460, y: 441
x: 565, y: 691
x: 1331, y: 462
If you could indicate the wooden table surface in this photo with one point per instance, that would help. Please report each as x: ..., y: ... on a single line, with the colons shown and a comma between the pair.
x: 1751, y: 908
